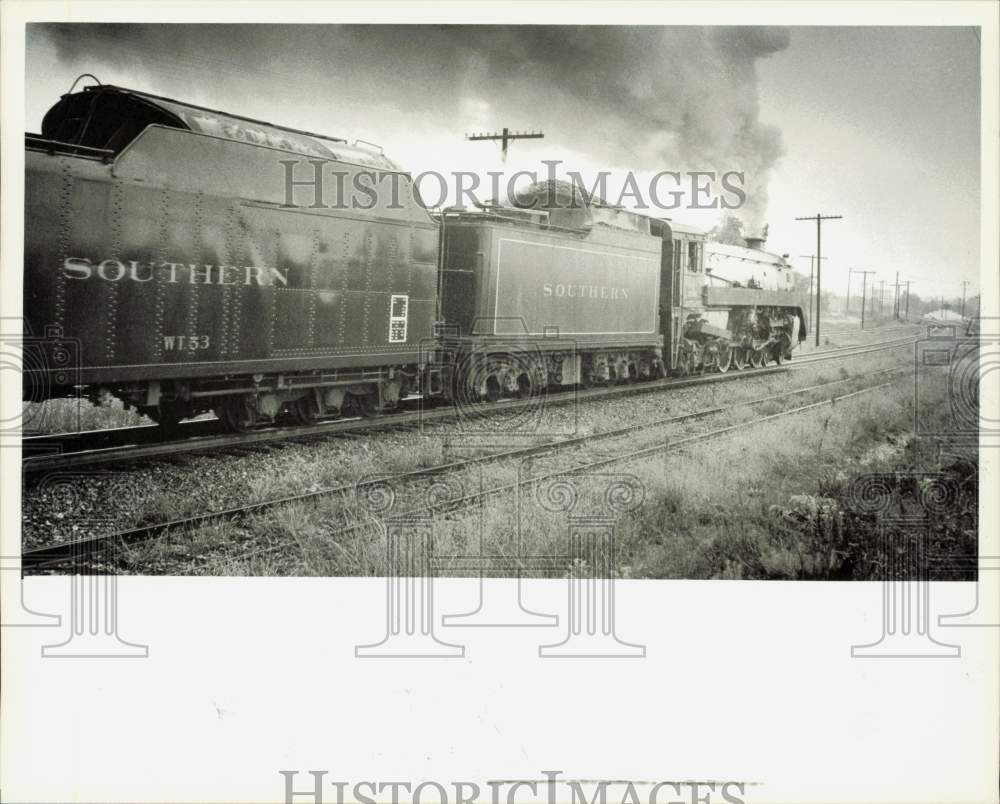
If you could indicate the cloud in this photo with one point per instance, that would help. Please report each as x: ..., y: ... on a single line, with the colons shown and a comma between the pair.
x: 638, y: 97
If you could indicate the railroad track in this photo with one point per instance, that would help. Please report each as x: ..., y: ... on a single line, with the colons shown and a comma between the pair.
x: 73, y: 450
x: 79, y: 552
x: 93, y: 440
x: 856, y: 330
x: 852, y: 350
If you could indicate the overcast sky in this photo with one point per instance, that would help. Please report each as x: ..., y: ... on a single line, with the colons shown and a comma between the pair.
x: 880, y: 125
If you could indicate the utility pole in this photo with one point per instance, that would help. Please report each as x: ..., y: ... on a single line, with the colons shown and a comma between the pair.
x: 881, y: 297
x: 506, y: 137
x: 895, y: 303
x: 907, y: 315
x: 864, y: 288
x: 849, y: 272
x: 811, y: 269
x: 819, y: 252
x: 964, y: 283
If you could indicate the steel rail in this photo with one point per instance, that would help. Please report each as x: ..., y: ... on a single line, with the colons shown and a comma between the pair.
x: 85, y: 440
x: 53, y: 460
x: 40, y: 557
x: 495, y: 491
x: 470, y: 499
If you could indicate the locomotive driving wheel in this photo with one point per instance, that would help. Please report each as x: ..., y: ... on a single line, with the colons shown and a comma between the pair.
x: 756, y: 358
x: 782, y: 351
x: 739, y: 358
x: 725, y: 357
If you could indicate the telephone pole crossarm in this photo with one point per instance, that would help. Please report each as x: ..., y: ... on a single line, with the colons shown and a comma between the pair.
x: 505, y: 137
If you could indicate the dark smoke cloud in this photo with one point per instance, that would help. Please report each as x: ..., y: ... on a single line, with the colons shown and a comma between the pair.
x: 638, y: 97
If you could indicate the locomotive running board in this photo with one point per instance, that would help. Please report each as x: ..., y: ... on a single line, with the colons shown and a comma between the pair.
x: 754, y: 297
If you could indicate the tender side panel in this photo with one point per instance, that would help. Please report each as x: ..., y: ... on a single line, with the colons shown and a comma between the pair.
x: 161, y: 273
x: 66, y: 211
x: 580, y: 287
x: 352, y: 286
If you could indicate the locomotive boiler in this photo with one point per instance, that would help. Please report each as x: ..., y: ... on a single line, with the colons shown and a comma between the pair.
x: 751, y: 313
x: 162, y: 254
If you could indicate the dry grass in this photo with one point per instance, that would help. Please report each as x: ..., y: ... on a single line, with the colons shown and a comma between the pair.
x: 74, y: 415
x: 752, y: 504
x: 719, y: 509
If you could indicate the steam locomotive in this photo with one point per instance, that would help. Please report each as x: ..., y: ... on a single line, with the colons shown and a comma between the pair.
x: 164, y: 265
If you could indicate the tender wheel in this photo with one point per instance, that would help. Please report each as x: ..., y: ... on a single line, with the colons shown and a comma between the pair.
x: 525, y: 387
x: 238, y: 413
x: 303, y: 410
x: 492, y: 388
x: 725, y: 357
x: 366, y: 404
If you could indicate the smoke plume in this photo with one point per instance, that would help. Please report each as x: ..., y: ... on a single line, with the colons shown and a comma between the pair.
x: 631, y: 97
